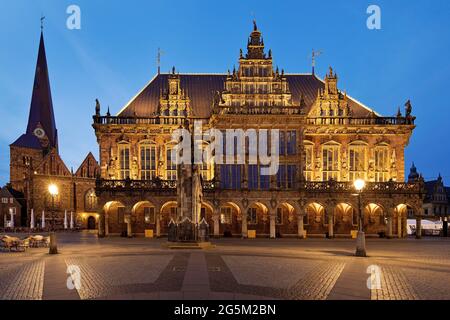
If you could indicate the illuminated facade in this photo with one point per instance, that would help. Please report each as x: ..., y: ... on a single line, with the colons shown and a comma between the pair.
x: 327, y: 140
x: 36, y: 167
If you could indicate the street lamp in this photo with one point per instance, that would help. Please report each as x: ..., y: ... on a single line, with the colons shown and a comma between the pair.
x: 359, y: 185
x: 53, y: 190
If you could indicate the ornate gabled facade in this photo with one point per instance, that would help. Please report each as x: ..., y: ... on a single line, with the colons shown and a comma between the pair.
x: 35, y: 164
x: 326, y: 138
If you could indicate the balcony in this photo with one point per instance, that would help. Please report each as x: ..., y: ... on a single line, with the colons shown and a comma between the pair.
x: 390, y: 187
x: 107, y: 120
x: 383, y: 121
x: 145, y: 185
x: 370, y: 187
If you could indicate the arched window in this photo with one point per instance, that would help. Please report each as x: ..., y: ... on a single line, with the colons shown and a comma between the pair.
x: 124, y: 160
x: 357, y: 163
x: 171, y: 163
x: 330, y: 161
x: 309, y: 161
x: 90, y: 200
x: 381, y: 163
x: 148, y: 160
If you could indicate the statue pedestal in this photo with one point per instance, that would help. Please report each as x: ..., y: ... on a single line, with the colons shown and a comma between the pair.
x: 188, y: 235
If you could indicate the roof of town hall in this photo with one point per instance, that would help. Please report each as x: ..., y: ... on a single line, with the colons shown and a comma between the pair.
x: 201, y: 88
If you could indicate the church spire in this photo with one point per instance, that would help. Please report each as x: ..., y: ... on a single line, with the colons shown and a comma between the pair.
x: 41, y: 115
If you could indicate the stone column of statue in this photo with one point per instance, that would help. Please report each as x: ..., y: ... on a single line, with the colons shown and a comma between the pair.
x: 197, y: 194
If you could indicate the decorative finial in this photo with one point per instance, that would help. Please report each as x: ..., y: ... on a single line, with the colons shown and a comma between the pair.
x: 108, y: 114
x: 255, y: 27
x: 173, y: 70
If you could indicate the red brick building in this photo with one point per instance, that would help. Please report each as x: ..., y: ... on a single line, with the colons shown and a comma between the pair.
x: 35, y: 164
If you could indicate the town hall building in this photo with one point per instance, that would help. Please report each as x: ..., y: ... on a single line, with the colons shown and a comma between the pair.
x: 327, y: 139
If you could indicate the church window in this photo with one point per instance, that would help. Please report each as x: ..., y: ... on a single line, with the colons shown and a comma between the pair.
x: 330, y: 162
x: 357, y: 162
x: 381, y: 164
x: 90, y: 200
x: 148, y: 162
x: 124, y: 161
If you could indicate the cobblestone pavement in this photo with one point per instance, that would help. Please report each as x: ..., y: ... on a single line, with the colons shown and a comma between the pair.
x: 312, y: 269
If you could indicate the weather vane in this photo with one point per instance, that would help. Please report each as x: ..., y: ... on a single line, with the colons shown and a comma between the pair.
x: 315, y: 54
x: 42, y: 22
x: 158, y: 59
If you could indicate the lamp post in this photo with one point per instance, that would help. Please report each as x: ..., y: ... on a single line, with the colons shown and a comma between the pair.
x: 359, y: 185
x: 53, y: 190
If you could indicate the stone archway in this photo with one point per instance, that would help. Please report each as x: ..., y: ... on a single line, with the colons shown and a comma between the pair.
x: 230, y: 219
x: 285, y: 219
x: 143, y: 217
x: 258, y: 218
x: 114, y: 212
x: 400, y: 221
x: 346, y: 218
x: 168, y: 211
x: 91, y: 223
x: 315, y: 218
x: 375, y: 219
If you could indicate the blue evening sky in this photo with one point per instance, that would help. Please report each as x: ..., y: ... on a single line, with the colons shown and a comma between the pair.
x: 114, y: 55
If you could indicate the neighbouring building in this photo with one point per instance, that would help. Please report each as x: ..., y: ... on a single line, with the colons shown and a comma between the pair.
x: 327, y: 140
x: 36, y: 165
x: 436, y: 204
x: 12, y: 208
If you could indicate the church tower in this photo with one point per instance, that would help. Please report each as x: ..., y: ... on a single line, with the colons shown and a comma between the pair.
x: 41, y: 136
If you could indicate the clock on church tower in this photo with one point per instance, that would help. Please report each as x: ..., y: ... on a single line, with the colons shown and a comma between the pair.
x: 39, y: 132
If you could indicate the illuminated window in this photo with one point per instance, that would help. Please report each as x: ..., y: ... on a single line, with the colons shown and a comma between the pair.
x: 225, y: 215
x: 309, y: 162
x: 381, y: 164
x: 230, y: 176
x: 330, y: 162
x: 171, y: 164
x: 357, y: 162
x: 90, y: 200
x: 291, y: 142
x: 148, y: 162
x: 124, y: 161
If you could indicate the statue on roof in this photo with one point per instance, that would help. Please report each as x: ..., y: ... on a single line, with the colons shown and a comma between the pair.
x: 408, y: 108
x: 97, y: 107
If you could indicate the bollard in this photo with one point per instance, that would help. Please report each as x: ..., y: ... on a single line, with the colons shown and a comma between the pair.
x: 53, y: 245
